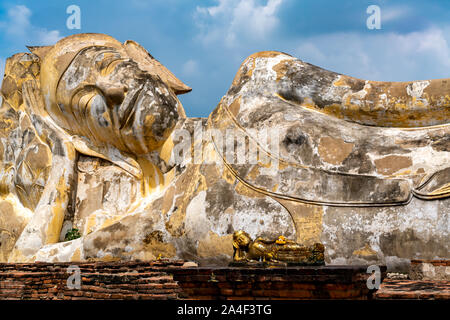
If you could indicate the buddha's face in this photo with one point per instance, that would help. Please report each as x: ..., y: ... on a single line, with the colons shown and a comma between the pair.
x: 105, y: 96
x: 242, y: 239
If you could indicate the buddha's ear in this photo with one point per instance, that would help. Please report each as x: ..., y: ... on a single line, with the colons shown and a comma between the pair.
x: 40, y: 51
x: 146, y: 62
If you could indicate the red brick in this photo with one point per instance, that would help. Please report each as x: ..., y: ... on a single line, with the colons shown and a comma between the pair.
x: 243, y: 292
x: 152, y: 297
x: 226, y: 292
x: 241, y: 298
x: 101, y: 295
x: 345, y: 294
x: 303, y: 286
x: 298, y: 294
x: 222, y: 285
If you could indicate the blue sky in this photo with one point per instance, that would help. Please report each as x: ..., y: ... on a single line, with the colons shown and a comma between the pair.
x: 204, y: 42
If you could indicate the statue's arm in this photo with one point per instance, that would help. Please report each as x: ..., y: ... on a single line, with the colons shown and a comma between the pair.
x: 45, y: 225
x: 265, y: 241
x: 239, y: 255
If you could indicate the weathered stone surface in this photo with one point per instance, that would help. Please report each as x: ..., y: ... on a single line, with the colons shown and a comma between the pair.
x: 430, y: 270
x: 92, y: 133
x: 366, y: 167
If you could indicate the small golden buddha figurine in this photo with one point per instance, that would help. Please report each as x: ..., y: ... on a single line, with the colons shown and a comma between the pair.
x: 277, y: 251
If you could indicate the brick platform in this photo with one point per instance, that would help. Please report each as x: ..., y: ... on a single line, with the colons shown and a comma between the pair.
x: 112, y: 280
x: 169, y: 280
x: 414, y: 289
x: 324, y: 282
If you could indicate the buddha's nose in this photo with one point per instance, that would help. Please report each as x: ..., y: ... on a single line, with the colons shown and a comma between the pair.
x: 115, y: 95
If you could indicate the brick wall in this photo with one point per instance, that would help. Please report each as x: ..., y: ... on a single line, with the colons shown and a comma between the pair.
x: 170, y: 280
x: 327, y: 282
x: 112, y: 280
x: 414, y: 289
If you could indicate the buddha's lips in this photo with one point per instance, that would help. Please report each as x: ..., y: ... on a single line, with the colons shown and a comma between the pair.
x: 127, y: 108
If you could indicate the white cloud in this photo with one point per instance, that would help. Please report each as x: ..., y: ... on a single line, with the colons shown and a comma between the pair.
x: 393, y: 13
x: 18, y: 21
x: 190, y: 67
x: 19, y: 31
x: 381, y: 56
x: 19, y: 28
x: 48, y: 37
x: 233, y: 21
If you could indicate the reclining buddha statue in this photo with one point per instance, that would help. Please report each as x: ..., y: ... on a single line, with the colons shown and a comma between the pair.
x: 94, y: 138
x: 273, y: 252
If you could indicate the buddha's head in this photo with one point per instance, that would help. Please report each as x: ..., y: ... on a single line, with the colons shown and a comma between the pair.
x: 110, y: 93
x: 241, y: 240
